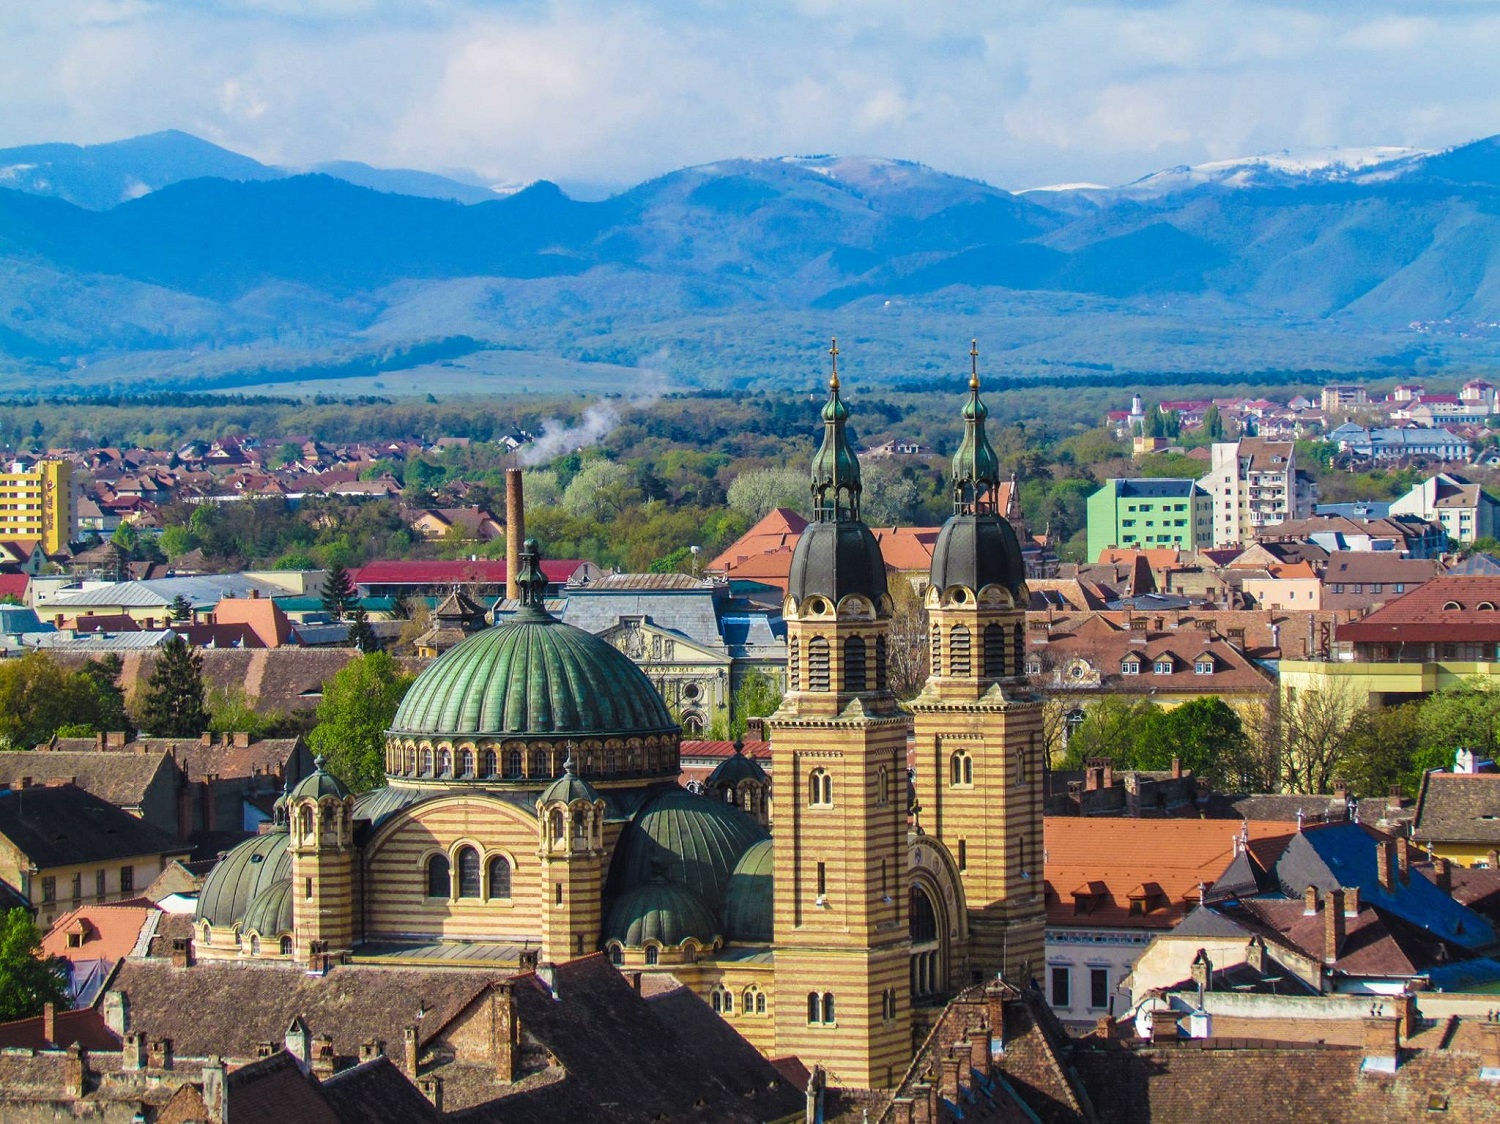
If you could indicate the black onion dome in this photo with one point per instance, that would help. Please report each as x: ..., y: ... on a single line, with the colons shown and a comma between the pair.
x: 975, y: 551
x: 835, y: 560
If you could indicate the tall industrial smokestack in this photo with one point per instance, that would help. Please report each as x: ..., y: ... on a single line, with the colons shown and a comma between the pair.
x: 515, y: 531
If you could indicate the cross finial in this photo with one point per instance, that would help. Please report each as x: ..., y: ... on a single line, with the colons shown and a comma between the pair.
x: 974, y: 365
x: 833, y: 351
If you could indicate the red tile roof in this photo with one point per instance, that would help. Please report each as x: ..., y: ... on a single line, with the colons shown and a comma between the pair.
x: 108, y: 932
x: 484, y: 570
x: 1443, y: 610
x: 86, y: 1028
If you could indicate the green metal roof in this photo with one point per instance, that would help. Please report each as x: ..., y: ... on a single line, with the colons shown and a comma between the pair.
x: 665, y: 912
x: 270, y: 914
x: 568, y: 788
x: 242, y: 876
x: 749, y: 902
x: 532, y: 675
x: 685, y: 838
x: 319, y: 783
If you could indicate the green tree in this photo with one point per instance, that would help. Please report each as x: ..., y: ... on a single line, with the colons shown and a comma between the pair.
x: 600, y: 491
x: 760, y: 490
x: 171, y: 706
x: 1112, y: 727
x: 1205, y: 735
x: 28, y: 980
x: 102, y: 677
x: 38, y: 696
x: 361, y: 635
x: 1213, y: 424
x: 358, y: 705
x: 230, y: 712
x: 756, y: 697
x: 182, y: 610
x: 176, y: 541
x: 339, y: 596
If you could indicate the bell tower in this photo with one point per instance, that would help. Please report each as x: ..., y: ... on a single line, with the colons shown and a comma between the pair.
x: 838, y: 746
x: 977, y: 722
x: 570, y: 826
x: 320, y: 815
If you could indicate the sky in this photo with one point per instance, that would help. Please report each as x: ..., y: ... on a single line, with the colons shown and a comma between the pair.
x: 1020, y: 93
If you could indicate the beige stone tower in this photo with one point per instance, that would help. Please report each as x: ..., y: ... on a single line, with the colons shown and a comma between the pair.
x: 978, y: 724
x: 320, y: 818
x: 570, y: 826
x: 839, y: 750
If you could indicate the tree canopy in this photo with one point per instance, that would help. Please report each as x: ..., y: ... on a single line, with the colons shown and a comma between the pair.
x: 28, y: 981
x: 358, y: 705
x: 38, y: 697
x: 171, y: 705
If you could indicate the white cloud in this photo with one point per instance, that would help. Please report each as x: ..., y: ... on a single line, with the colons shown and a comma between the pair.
x: 1019, y: 92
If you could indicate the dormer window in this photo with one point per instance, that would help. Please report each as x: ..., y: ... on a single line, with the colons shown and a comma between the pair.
x: 1164, y: 665
x: 1130, y: 666
x: 1203, y: 665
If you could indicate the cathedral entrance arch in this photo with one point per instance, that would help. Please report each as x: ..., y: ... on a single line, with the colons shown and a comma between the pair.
x: 937, y: 919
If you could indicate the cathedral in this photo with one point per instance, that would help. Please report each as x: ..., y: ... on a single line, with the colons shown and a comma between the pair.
x: 532, y: 812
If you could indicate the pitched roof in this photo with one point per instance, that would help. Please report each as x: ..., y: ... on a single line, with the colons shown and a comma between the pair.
x: 120, y: 778
x: 85, y: 1028
x: 1379, y: 566
x: 106, y: 931
x: 460, y: 572
x: 219, y: 757
x: 63, y: 825
x: 375, y: 1092
x: 1443, y: 610
x: 275, y: 1090
x: 1124, y: 854
x: 777, y: 528
x: 1459, y: 808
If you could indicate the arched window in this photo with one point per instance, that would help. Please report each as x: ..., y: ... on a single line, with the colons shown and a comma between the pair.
x: 445, y: 763
x: 466, y: 763
x: 820, y: 788
x: 817, y: 664
x: 427, y: 762
x: 961, y: 768
x: 828, y: 1007
x: 958, y: 651
x: 487, y: 763
x: 512, y: 762
x: 936, y: 658
x: 880, y: 652
x: 558, y: 826
x: 616, y: 955
x: 692, y: 726
x: 854, y: 664
x: 540, y: 766
x: 286, y: 946
x: 814, y: 1007
x: 1021, y: 776
x: 794, y: 665
x: 499, y: 877
x: 611, y: 762
x: 923, y: 924
x: 753, y: 1001
x: 652, y: 954
x: 438, y: 884
x: 882, y: 785
x: 306, y: 819
x: 723, y: 1000
x: 994, y: 651
x: 468, y: 873
x: 254, y: 946
x: 1071, y: 723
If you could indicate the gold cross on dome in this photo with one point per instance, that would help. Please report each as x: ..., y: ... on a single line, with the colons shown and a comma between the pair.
x: 833, y: 351
x: 974, y: 365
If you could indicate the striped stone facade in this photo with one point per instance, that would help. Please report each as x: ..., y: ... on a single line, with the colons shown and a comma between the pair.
x: 324, y: 860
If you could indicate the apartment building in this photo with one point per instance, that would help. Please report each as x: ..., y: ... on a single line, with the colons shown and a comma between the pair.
x: 38, y: 504
x: 1149, y: 514
x: 1254, y: 483
x: 1461, y: 508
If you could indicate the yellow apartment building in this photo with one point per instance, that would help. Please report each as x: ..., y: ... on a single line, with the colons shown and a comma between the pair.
x: 37, y: 504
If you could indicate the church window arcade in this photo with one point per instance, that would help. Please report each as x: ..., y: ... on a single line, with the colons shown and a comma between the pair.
x: 820, y: 789
x: 820, y: 1008
x: 468, y: 873
x: 753, y: 1001
x: 499, y: 878
x: 722, y: 1000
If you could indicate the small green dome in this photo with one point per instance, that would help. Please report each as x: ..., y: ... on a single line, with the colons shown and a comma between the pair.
x: 749, y: 902
x: 242, y: 876
x: 686, y: 838
x: 735, y: 768
x: 270, y: 913
x: 318, y: 784
x: 532, y: 675
x: 665, y: 912
x: 568, y: 788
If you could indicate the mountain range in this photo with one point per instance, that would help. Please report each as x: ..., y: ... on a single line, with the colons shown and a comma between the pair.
x: 167, y: 261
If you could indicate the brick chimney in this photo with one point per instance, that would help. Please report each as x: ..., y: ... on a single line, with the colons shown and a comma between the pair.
x: 1309, y: 901
x: 1177, y: 768
x: 240, y: 739
x: 952, y: 1071
x: 117, y: 1012
x: 136, y: 1057
x: 1351, y: 901
x: 508, y: 1030
x: 409, y: 1052
x: 432, y: 1089
x: 1164, y: 1026
x: 905, y: 1110
x: 515, y: 531
x: 369, y: 1051
x: 1393, y: 800
x: 1255, y: 954
x: 1385, y: 864
x: 159, y: 1053
x: 1403, y: 858
x: 214, y: 1098
x: 1489, y: 1051
x: 114, y: 739
x: 1333, y: 925
x: 1382, y: 1045
x: 49, y: 1023
x: 75, y: 1071
x: 1442, y: 875
x: 979, y: 1051
x: 182, y: 952
x: 322, y: 1059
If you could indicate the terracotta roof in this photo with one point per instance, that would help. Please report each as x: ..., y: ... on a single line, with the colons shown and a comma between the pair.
x: 120, y: 778
x: 275, y: 1090
x: 760, y: 751
x: 63, y: 825
x: 1424, y: 615
x: 260, y: 614
x: 1379, y: 566
x: 84, y: 1028
x: 777, y: 528
x: 373, y: 1092
x: 105, y: 932
x: 1123, y: 854
x: 655, y: 582
x: 1459, y: 808
x: 1106, y: 649
x: 461, y: 572
x: 220, y: 758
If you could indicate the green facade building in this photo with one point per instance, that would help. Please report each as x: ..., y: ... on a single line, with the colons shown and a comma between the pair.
x: 1149, y: 515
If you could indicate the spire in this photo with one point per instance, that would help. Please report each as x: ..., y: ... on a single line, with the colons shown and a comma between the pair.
x: 530, y: 580
x: 835, y: 469
x: 976, y: 469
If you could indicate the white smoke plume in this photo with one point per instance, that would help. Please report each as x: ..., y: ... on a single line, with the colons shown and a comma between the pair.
x: 597, y: 422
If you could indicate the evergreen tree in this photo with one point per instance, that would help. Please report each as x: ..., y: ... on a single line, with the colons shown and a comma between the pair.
x: 361, y: 635
x: 339, y: 596
x: 1213, y: 424
x: 172, y: 704
x: 28, y: 980
x: 182, y: 610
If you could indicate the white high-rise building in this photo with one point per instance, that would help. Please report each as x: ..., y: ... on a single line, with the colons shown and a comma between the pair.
x: 1254, y: 483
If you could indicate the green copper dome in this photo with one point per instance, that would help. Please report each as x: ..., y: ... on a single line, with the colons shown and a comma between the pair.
x: 242, y: 877
x: 685, y: 838
x: 568, y: 788
x: 750, y: 900
x: 667, y: 913
x: 532, y: 675
x: 318, y: 784
x: 976, y: 468
x: 270, y: 914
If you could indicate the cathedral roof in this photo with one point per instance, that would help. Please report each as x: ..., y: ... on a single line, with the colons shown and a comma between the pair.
x: 667, y: 913
x: 242, y: 876
x: 318, y: 784
x: 685, y: 838
x: 975, y: 551
x: 738, y: 766
x: 271, y: 911
x: 532, y: 675
x: 750, y: 898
